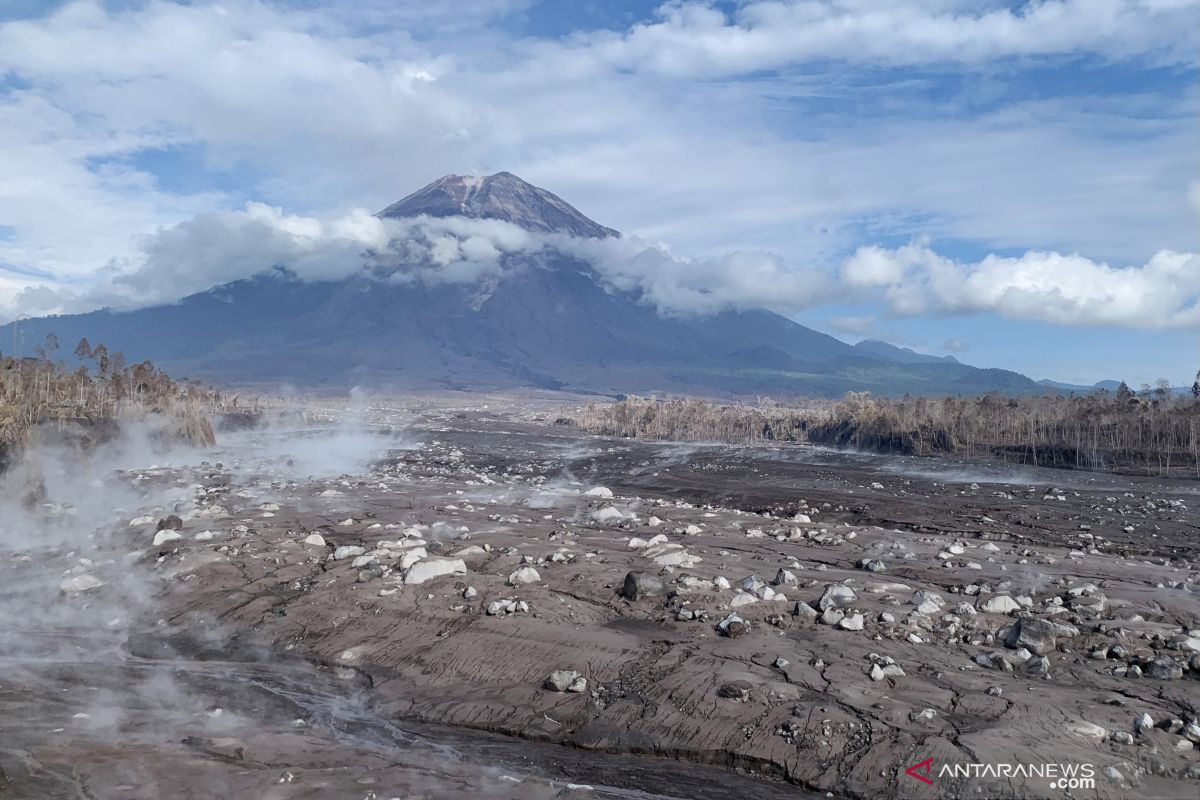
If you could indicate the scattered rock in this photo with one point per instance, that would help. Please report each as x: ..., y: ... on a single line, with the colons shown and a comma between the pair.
x: 832, y: 616
x: 999, y: 604
x: 881, y: 671
x: 172, y: 522
x: 561, y: 680
x: 522, y: 575
x: 851, y: 622
x: 430, y: 568
x: 733, y: 626
x: 836, y: 595
x: 642, y: 584
x: 1037, y: 635
x: 805, y: 611
x: 735, y: 690
x: 1087, y: 730
x: 785, y: 578
x: 80, y: 583
x: 1163, y: 668
x: 164, y: 536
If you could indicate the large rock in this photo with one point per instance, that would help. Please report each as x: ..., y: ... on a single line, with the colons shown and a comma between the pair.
x: 164, y: 536
x: 523, y: 575
x: 805, y: 611
x: 565, y: 680
x: 733, y: 626
x: 928, y: 603
x: 642, y: 584
x: 852, y: 622
x: 881, y: 671
x: 785, y: 578
x: 1188, y: 644
x: 608, y: 515
x: 80, y: 583
x: 735, y: 690
x: 742, y: 599
x: 835, y: 596
x: 752, y: 584
x: 171, y: 522
x: 1037, y: 635
x: 669, y: 554
x: 431, y: 568
x: 1087, y: 730
x: 999, y: 604
x: 1163, y: 668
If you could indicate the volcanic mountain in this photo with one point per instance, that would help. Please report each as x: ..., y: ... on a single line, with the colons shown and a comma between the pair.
x: 547, y: 318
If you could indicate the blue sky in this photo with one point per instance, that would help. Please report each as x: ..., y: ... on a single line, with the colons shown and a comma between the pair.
x: 1015, y: 183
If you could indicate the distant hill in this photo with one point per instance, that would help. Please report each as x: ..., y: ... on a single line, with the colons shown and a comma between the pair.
x: 549, y: 321
x: 901, y: 355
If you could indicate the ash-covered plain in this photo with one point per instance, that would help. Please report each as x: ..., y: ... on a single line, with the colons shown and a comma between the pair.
x: 462, y: 599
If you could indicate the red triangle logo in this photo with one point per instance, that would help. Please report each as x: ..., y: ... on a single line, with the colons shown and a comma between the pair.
x: 921, y: 771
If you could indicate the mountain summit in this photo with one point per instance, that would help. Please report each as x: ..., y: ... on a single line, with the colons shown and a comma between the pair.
x: 502, y: 196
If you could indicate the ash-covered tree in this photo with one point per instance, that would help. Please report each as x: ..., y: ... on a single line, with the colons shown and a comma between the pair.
x: 103, y: 362
x: 83, y: 350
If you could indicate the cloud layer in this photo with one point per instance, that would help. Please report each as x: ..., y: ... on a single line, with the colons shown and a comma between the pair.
x: 1048, y: 287
x: 911, y: 280
x: 699, y: 39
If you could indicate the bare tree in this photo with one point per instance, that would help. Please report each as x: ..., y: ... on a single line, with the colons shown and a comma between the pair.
x: 83, y: 350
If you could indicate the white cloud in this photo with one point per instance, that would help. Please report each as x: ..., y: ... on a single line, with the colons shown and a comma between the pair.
x: 698, y: 39
x: 215, y: 248
x: 699, y: 286
x: 1050, y: 287
x: 219, y: 247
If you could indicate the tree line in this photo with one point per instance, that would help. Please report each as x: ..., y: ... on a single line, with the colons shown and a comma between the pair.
x: 1152, y: 431
x: 101, y: 387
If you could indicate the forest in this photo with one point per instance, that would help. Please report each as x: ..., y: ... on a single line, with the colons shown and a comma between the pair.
x: 1153, y: 431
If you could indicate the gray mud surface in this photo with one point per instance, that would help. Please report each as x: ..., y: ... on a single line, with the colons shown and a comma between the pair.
x: 294, y: 638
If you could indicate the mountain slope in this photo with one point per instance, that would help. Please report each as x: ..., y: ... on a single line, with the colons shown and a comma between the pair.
x: 550, y: 320
x: 901, y: 355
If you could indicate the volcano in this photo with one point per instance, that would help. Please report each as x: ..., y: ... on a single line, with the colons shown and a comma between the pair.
x: 548, y: 319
